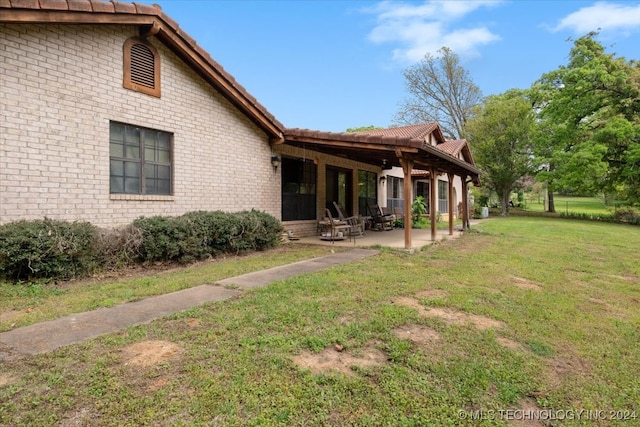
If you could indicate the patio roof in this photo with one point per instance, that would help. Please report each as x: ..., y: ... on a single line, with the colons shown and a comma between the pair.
x: 376, y: 148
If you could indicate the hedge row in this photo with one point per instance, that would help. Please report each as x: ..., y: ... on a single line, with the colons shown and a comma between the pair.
x: 49, y: 249
x: 624, y: 215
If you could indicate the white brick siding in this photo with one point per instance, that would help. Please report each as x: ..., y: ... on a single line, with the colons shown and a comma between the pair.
x: 61, y: 85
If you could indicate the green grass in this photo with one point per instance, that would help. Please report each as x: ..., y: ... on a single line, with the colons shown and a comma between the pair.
x: 36, y: 302
x: 569, y: 204
x: 567, y: 294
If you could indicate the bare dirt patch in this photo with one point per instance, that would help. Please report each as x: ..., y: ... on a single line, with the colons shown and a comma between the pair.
x: 510, y: 344
x: 150, y: 353
x: 432, y: 294
x: 523, y: 283
x: 419, y: 334
x: 450, y: 316
x: 8, y: 316
x: 7, y: 379
x: 525, y: 414
x: 460, y: 318
x: 341, y: 361
x: 564, y: 365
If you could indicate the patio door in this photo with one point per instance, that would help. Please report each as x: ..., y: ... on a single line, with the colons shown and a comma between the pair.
x: 339, y: 189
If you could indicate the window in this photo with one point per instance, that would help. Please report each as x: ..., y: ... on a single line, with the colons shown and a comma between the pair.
x: 367, y: 191
x: 395, y: 192
x: 140, y: 160
x: 298, y: 189
x: 141, y: 67
x: 443, y: 196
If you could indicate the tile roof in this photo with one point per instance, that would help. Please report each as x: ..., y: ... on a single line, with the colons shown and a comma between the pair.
x: 453, y: 146
x: 107, y: 12
x: 419, y: 131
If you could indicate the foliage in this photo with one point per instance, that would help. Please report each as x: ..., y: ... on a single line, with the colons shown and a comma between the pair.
x: 198, y: 235
x: 588, y: 137
x: 441, y: 90
x: 500, y: 133
x: 47, y: 249
x: 362, y: 129
x: 418, y: 208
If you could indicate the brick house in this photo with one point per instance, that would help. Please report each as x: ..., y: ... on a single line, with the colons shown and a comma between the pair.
x: 110, y: 111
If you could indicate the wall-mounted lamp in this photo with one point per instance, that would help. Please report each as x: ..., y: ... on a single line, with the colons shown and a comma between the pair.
x: 275, y: 162
x: 383, y: 179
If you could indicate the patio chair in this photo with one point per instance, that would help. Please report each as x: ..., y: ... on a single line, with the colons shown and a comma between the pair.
x: 356, y: 223
x: 336, y: 227
x: 380, y: 220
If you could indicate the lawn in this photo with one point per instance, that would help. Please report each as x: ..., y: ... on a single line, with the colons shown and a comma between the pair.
x: 522, y: 316
x: 570, y: 204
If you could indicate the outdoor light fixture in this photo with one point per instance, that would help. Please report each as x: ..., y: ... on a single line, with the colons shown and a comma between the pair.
x: 383, y: 179
x: 275, y: 161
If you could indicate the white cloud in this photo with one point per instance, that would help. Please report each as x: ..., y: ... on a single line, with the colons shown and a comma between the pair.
x: 425, y: 28
x: 602, y: 15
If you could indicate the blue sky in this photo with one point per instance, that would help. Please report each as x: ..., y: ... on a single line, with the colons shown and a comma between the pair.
x: 331, y: 65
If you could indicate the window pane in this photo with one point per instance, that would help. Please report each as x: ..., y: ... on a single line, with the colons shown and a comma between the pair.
x: 132, y: 151
x: 116, y: 132
x: 132, y: 135
x: 163, y: 156
x: 117, y: 168
x: 116, y: 149
x: 132, y: 169
x: 131, y: 185
x: 164, y: 172
x: 117, y: 184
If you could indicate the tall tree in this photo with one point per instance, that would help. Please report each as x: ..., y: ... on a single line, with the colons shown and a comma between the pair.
x: 589, y: 112
x: 500, y: 133
x: 440, y: 90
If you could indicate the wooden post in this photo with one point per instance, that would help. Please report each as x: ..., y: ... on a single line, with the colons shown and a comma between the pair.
x: 407, y: 167
x: 433, y: 209
x: 465, y: 204
x: 450, y: 177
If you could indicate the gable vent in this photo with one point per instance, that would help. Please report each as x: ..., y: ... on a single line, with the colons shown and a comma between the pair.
x: 142, y: 66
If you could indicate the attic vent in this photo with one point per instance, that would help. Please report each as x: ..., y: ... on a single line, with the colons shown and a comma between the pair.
x: 141, y: 67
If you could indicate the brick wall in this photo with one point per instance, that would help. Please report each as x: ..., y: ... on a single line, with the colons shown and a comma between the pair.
x: 61, y: 85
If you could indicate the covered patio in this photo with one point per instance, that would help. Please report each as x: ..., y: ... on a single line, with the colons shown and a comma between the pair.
x: 394, y: 239
x: 423, y: 151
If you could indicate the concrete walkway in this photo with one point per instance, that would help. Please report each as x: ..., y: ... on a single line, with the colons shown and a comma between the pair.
x: 47, y: 336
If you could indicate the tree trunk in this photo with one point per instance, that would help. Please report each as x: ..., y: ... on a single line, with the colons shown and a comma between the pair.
x: 505, y: 203
x: 552, y: 205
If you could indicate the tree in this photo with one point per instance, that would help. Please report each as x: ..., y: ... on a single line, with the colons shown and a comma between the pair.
x: 362, y: 129
x: 500, y: 133
x: 442, y: 91
x: 589, y: 123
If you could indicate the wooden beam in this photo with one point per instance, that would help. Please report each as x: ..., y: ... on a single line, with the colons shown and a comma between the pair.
x: 450, y: 177
x: 465, y: 204
x: 407, y: 167
x: 433, y: 209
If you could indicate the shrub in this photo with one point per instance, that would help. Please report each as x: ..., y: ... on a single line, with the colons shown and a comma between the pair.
x: 628, y: 215
x: 200, y: 234
x: 47, y: 249
x: 119, y: 247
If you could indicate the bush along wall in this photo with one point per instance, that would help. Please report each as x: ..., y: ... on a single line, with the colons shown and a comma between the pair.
x: 54, y: 250
x: 201, y: 234
x: 47, y: 249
